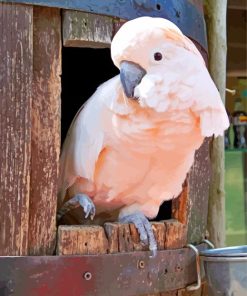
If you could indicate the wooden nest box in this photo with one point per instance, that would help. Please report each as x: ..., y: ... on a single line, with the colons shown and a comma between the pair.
x: 38, y: 44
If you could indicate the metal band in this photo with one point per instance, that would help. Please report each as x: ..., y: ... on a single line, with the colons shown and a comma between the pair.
x: 120, y: 274
x: 186, y: 14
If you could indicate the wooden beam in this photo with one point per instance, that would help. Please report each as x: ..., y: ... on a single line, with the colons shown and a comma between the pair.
x: 16, y: 62
x: 45, y: 130
x: 238, y: 45
x: 236, y: 59
x: 86, y: 30
x: 216, y: 27
x: 237, y: 73
x: 237, y: 4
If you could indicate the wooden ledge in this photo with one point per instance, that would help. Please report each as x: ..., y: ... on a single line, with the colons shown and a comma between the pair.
x: 116, y: 237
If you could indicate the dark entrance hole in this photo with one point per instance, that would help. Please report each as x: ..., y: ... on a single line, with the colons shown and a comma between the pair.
x: 83, y: 70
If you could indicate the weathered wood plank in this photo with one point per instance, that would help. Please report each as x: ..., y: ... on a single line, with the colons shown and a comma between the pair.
x: 16, y: 55
x: 45, y: 130
x: 160, y: 234
x: 125, y: 237
x: 181, y: 205
x: 80, y: 239
x: 191, y: 207
x: 199, y: 180
x: 86, y: 30
x: 135, y: 237
x: 111, y: 230
x: 176, y: 234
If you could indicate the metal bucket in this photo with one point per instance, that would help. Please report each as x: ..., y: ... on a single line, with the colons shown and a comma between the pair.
x: 226, y: 271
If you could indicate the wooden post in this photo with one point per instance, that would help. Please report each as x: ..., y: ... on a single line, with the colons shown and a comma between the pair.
x: 216, y: 28
x: 45, y: 130
x: 16, y: 63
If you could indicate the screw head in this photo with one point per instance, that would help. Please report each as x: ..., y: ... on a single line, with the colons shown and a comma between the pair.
x: 87, y: 276
x: 141, y: 264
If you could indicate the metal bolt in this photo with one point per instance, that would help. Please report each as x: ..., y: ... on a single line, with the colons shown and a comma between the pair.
x: 141, y: 264
x: 87, y: 276
x: 178, y: 268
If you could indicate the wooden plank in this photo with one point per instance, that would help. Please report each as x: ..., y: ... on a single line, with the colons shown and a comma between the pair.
x: 191, y: 207
x: 181, y: 205
x: 111, y: 230
x: 16, y: 55
x: 199, y: 181
x: 176, y: 234
x: 125, y: 237
x: 80, y: 239
x: 237, y: 4
x: 45, y: 130
x: 125, y: 243
x: 86, y: 30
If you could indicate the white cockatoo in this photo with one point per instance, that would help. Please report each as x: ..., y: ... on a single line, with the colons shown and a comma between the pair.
x: 131, y: 145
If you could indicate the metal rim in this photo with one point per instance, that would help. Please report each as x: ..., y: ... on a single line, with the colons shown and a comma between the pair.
x: 224, y: 259
x: 228, y: 252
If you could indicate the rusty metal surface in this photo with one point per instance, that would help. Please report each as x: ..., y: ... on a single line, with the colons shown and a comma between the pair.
x: 121, y: 274
x: 186, y: 14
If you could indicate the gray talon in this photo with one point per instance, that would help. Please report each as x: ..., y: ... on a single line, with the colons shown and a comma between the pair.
x: 79, y: 200
x: 144, y: 228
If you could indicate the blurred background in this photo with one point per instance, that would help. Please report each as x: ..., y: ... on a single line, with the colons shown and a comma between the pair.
x: 236, y: 136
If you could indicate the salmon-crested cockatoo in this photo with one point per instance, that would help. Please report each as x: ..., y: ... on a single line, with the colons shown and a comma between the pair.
x: 131, y: 145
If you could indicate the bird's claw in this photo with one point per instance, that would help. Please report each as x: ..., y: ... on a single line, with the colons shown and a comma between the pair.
x: 78, y: 200
x: 144, y: 228
x: 88, y: 206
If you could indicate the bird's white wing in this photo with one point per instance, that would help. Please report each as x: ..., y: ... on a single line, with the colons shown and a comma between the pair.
x: 209, y: 106
x: 86, y: 136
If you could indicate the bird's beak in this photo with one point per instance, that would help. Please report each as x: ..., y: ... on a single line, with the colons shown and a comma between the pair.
x: 131, y: 75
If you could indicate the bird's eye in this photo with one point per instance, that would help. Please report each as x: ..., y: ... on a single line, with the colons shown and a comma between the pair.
x: 158, y: 56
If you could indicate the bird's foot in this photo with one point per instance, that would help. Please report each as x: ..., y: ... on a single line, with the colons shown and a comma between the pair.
x: 79, y: 200
x: 144, y: 228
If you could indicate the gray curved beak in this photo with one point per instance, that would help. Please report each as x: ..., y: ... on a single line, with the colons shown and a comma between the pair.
x: 131, y: 75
